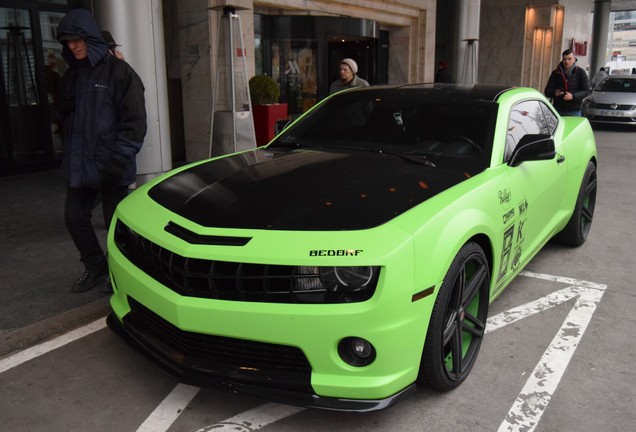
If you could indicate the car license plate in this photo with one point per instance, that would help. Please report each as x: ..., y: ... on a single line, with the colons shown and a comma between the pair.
x: 612, y: 113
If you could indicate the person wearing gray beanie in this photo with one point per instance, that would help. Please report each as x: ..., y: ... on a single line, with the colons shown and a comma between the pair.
x: 348, y: 78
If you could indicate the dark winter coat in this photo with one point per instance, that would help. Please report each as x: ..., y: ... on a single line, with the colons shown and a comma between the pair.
x: 576, y: 83
x: 102, y: 108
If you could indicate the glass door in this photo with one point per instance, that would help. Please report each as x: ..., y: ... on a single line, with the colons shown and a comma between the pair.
x: 18, y: 87
x: 31, y: 68
x: 294, y: 68
x: 54, y: 68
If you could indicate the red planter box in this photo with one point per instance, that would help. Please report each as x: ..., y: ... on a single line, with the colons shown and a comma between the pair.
x: 265, y: 117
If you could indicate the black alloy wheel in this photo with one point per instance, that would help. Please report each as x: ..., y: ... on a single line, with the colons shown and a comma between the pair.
x: 576, y: 231
x: 458, y: 321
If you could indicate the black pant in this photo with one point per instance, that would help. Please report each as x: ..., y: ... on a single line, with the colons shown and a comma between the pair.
x: 77, y: 215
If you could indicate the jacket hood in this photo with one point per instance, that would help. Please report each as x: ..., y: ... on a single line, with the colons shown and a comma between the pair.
x: 80, y: 23
x: 301, y: 190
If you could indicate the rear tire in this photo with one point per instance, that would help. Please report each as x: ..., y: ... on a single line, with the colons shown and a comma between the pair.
x: 576, y: 231
x: 458, y: 321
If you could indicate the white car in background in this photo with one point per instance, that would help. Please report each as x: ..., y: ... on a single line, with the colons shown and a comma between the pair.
x: 613, y: 100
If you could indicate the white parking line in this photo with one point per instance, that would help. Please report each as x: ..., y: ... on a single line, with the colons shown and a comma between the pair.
x: 254, y: 419
x: 524, y: 415
x: 532, y: 401
x: 45, y: 347
x: 169, y: 409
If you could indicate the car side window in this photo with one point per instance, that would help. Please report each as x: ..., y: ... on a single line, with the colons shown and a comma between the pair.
x: 526, y: 118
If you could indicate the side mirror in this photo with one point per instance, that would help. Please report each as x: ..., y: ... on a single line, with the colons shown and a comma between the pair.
x: 533, y: 148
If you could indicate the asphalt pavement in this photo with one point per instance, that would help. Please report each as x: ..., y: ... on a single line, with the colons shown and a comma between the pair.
x: 39, y: 263
x: 558, y: 354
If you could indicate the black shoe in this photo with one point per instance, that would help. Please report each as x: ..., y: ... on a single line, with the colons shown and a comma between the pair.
x: 89, y: 280
x: 107, y: 286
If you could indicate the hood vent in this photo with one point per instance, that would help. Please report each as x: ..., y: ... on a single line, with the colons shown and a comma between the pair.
x: 199, y: 239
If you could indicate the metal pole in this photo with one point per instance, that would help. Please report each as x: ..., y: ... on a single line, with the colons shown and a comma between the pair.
x: 231, y: 15
x: 216, y: 86
x: 600, y: 25
x: 249, y: 96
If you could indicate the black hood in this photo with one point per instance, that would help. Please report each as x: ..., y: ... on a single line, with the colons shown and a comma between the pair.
x: 80, y: 23
x: 301, y: 190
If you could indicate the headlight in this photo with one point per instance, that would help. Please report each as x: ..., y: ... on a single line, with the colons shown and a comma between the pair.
x: 335, y: 284
x: 588, y: 103
x: 346, y: 278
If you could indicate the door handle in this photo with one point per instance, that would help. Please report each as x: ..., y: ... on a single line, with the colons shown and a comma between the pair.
x: 560, y: 159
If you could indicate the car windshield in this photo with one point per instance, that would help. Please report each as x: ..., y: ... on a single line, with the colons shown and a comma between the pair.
x: 618, y: 85
x: 410, y: 124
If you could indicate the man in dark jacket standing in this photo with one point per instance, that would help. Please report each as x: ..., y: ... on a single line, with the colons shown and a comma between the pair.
x: 103, y: 112
x: 568, y: 85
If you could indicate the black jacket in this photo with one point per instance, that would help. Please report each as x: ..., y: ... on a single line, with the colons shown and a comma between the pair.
x: 576, y: 83
x: 102, y: 108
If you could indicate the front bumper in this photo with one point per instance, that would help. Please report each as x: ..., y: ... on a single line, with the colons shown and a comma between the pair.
x: 282, y: 352
x: 188, y: 369
x: 609, y: 116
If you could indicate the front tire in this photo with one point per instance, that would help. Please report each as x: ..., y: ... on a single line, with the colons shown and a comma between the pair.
x: 576, y: 231
x: 458, y: 321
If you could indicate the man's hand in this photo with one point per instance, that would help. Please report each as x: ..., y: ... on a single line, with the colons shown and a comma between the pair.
x: 113, y: 173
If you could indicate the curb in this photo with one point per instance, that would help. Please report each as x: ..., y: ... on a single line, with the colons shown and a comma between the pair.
x: 48, y: 328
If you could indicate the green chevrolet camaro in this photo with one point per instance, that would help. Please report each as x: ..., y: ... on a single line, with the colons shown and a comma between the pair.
x: 355, y: 256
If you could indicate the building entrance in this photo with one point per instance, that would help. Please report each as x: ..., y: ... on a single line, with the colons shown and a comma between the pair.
x: 302, y: 54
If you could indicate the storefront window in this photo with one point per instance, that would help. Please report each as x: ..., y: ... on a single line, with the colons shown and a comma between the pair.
x: 294, y: 68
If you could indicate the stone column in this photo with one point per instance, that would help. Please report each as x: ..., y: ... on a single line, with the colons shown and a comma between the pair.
x: 600, y: 28
x: 138, y: 27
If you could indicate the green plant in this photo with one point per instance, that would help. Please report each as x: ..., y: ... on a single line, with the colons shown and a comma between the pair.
x: 264, y: 90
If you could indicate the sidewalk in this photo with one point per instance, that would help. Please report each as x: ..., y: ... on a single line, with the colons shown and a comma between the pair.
x: 39, y: 263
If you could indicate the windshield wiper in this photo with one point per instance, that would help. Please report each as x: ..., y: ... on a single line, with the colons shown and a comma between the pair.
x: 421, y: 160
x: 291, y: 145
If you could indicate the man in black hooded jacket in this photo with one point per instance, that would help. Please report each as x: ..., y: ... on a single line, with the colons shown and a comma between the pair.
x: 103, y: 112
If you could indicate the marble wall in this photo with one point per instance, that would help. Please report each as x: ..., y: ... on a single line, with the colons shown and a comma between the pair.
x: 501, y: 41
x: 521, y: 40
x: 578, y: 25
x: 194, y: 70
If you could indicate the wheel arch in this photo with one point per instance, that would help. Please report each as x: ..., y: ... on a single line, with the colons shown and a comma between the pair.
x: 481, y: 233
x: 485, y: 242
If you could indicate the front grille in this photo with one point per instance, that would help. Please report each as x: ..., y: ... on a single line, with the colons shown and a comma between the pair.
x: 613, y: 119
x: 237, y: 359
x: 222, y: 280
x: 618, y: 108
